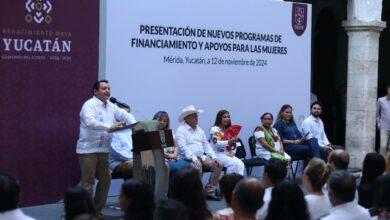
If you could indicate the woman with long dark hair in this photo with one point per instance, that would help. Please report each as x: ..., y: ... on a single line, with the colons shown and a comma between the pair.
x: 137, y: 200
x: 373, y: 166
x: 78, y: 204
x: 287, y: 203
x: 188, y: 189
x: 221, y: 147
x: 294, y: 142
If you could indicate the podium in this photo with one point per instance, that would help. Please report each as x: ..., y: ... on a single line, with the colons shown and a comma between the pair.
x: 148, y: 150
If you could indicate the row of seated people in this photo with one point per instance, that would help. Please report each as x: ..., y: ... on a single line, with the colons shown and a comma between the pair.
x: 331, y: 194
x: 193, y: 147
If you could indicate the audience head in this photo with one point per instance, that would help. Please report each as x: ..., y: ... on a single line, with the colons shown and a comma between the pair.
x: 342, y: 187
x: 316, y: 109
x: 137, y: 200
x: 101, y: 89
x: 373, y: 166
x: 275, y: 171
x: 287, y: 202
x: 267, y: 119
x: 163, y: 118
x: 388, y: 163
x: 227, y: 184
x: 339, y: 159
x: 223, y: 119
x: 170, y: 209
x: 9, y: 192
x: 247, y: 197
x: 315, y: 175
x: 285, y: 113
x: 78, y: 204
x: 188, y: 189
x: 382, y: 193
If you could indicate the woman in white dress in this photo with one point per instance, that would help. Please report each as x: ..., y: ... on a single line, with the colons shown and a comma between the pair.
x: 222, y: 147
x: 268, y: 143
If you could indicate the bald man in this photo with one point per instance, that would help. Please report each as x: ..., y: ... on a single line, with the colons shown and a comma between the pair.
x: 339, y: 159
x: 247, y: 198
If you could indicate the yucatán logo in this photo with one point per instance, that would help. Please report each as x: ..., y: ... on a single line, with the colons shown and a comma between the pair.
x: 299, y: 18
x: 38, y: 11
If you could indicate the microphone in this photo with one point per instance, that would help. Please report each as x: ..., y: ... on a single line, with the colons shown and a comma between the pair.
x: 119, y: 104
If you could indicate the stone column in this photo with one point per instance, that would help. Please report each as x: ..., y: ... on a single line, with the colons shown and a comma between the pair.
x: 363, y: 27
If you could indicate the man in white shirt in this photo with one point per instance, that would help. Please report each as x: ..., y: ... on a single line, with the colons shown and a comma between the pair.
x: 121, y: 155
x: 9, y: 199
x: 313, y: 127
x: 194, y: 147
x: 341, y: 194
x: 97, y: 117
x: 383, y: 122
x: 275, y: 171
x: 247, y: 198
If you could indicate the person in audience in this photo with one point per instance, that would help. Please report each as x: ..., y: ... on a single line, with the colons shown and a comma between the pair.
x: 342, y: 188
x: 314, y: 128
x: 314, y: 177
x: 275, y: 171
x: 136, y: 200
x: 388, y: 163
x: 294, y: 142
x: 268, y: 142
x: 188, y: 189
x: 227, y: 184
x: 78, y: 204
x: 9, y: 199
x: 225, y: 155
x: 287, y: 202
x: 170, y: 209
x: 373, y: 166
x: 247, y: 198
x: 194, y: 147
x: 339, y: 159
x: 120, y: 151
x: 170, y: 153
x: 381, y: 204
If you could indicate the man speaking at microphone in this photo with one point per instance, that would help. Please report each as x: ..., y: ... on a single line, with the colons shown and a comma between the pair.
x: 97, y: 117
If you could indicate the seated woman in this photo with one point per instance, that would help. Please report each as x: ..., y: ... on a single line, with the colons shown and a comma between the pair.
x: 268, y: 142
x: 373, y: 166
x: 294, y: 143
x: 170, y: 153
x: 315, y: 176
x: 221, y: 149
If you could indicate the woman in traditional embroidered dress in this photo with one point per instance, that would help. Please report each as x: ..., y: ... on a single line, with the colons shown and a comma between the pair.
x: 224, y: 148
x: 268, y: 143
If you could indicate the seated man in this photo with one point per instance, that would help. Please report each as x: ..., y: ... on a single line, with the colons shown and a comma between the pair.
x: 121, y: 155
x: 247, y: 198
x: 275, y: 171
x: 342, y: 188
x: 313, y: 127
x: 194, y: 147
x: 339, y: 159
x: 9, y: 199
